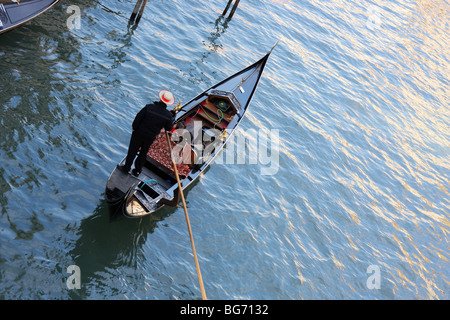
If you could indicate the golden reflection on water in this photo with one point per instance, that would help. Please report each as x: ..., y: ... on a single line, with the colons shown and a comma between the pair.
x: 412, y: 144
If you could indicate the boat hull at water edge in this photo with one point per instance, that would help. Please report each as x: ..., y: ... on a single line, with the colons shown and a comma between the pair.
x: 14, y: 13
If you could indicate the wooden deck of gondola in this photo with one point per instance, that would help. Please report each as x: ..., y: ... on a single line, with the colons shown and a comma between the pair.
x: 124, y: 181
x: 120, y: 183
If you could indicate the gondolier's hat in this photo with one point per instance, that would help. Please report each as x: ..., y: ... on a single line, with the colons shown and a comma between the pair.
x: 166, y: 97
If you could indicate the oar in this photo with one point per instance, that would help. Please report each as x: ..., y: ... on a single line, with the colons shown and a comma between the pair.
x: 180, y: 190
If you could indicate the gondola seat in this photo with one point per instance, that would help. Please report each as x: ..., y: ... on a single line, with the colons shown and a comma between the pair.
x: 159, y: 153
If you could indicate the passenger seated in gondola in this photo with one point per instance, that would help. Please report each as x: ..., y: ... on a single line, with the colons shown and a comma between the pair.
x: 146, y: 126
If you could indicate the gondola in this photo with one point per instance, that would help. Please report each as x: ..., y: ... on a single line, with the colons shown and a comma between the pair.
x: 13, y: 13
x: 202, y: 127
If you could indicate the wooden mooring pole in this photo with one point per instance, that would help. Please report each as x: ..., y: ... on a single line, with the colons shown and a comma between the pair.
x: 232, y: 10
x: 137, y: 12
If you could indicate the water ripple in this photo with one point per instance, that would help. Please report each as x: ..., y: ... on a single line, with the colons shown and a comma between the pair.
x: 357, y: 91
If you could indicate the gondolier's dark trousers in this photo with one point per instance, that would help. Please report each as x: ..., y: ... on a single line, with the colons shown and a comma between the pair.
x: 139, y: 143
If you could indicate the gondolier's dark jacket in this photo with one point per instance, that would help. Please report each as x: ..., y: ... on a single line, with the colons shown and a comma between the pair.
x: 152, y: 118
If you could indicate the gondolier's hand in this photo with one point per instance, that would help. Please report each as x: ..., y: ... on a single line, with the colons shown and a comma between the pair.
x: 172, y: 131
x: 174, y: 135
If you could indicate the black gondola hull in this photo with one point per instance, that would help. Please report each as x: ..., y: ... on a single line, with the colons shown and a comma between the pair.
x: 234, y: 95
x: 16, y: 13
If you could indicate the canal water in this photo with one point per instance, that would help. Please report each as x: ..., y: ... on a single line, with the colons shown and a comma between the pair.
x: 342, y: 189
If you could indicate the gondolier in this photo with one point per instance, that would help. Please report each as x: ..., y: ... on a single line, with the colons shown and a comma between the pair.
x: 146, y: 126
